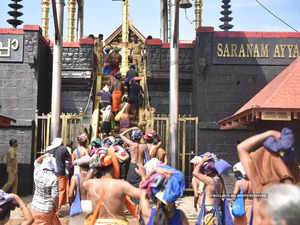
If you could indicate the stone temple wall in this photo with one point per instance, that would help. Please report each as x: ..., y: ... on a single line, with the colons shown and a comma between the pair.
x: 158, y: 72
x: 25, y: 86
x: 22, y: 70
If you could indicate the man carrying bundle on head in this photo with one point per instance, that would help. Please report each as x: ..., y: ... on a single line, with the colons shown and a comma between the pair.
x: 108, y: 193
x: 164, y: 186
x: 269, y: 158
x: 208, y: 170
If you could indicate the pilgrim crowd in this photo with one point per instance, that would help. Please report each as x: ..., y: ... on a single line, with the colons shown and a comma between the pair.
x: 128, y: 173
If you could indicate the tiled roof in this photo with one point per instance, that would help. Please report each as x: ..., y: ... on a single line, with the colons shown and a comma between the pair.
x: 281, y: 94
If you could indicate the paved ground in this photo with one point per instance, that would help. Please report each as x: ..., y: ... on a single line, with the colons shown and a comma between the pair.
x: 185, y: 203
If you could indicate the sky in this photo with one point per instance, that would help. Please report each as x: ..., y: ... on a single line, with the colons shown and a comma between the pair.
x: 104, y: 16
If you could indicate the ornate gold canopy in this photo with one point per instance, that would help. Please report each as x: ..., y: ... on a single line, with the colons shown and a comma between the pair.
x: 115, y: 39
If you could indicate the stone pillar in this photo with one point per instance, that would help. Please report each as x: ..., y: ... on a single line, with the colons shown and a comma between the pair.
x: 198, y: 13
x: 71, y: 22
x: 125, y: 32
x: 45, y: 17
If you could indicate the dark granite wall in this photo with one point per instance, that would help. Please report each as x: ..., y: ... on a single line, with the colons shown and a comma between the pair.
x: 23, y: 89
x: 158, y: 72
x: 78, y: 66
x: 214, y: 88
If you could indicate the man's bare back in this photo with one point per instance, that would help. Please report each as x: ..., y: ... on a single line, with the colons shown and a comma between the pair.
x: 137, y: 153
x: 114, y: 196
x: 136, y: 149
x: 115, y: 84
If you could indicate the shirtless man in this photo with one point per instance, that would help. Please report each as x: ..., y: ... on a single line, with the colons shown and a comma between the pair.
x: 125, y: 119
x: 105, y: 124
x: 78, y: 180
x: 116, y: 90
x: 277, y: 171
x: 116, y: 60
x: 137, y: 153
x: 209, y: 177
x: 151, y: 146
x: 115, y: 192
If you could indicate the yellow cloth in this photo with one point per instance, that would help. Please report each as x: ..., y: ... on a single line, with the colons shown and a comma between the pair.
x: 209, y: 218
x: 12, y: 170
x: 12, y: 182
x: 11, y: 160
x: 111, y: 222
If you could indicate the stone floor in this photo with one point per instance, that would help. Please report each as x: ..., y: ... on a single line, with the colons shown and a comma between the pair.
x: 185, y: 203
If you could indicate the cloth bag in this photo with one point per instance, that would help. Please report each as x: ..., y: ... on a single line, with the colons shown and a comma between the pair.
x: 75, y: 208
x: 238, y: 206
x: 203, y: 209
x: 118, y: 116
x: 227, y: 218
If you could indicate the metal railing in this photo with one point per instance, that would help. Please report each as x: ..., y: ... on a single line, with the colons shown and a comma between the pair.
x: 71, y: 126
x: 187, y: 141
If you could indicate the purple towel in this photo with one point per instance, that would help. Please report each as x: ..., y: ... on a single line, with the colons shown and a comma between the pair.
x: 285, y: 144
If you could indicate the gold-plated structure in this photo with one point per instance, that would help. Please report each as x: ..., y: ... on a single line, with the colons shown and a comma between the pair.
x: 45, y: 17
x: 125, y: 32
x: 71, y: 127
x: 198, y: 13
x: 71, y: 20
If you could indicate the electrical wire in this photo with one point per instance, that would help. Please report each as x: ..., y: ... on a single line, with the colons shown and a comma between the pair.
x: 187, y: 18
x: 273, y: 14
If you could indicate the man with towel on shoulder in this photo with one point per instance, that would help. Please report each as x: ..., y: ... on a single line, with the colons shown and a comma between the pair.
x: 108, y: 193
x: 269, y: 164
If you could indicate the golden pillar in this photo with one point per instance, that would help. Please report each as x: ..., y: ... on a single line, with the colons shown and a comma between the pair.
x: 125, y: 33
x: 71, y: 22
x: 45, y: 17
x: 198, y: 13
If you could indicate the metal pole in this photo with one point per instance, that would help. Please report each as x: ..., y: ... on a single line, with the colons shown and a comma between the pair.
x: 166, y: 21
x: 80, y: 19
x: 162, y: 20
x: 56, y: 74
x: 173, y: 107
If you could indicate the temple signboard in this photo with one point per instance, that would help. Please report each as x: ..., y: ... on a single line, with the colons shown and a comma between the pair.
x: 264, y: 51
x: 11, y: 48
x: 275, y: 115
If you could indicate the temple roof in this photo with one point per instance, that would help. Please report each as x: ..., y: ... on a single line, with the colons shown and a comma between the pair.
x: 278, y: 100
x: 117, y: 34
x: 5, y: 121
